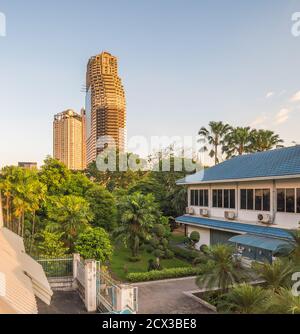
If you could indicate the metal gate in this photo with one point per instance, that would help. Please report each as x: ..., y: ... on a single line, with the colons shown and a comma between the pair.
x: 113, y: 297
x: 107, y: 290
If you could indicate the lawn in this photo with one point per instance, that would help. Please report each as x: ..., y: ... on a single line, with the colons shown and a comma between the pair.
x: 120, y: 260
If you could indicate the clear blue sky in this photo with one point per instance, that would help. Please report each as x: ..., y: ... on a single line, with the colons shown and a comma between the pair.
x: 183, y: 63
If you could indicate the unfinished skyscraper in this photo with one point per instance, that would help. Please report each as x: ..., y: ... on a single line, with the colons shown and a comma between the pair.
x: 105, y: 106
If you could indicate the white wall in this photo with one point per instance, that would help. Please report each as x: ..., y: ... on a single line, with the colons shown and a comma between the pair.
x: 204, y: 235
x: 281, y: 220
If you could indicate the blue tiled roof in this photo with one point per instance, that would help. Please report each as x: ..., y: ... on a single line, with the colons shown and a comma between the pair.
x: 274, y: 163
x: 236, y: 227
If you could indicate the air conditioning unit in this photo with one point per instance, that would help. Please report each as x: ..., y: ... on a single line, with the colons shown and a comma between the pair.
x: 190, y: 211
x: 264, y: 218
x: 204, y: 212
x: 229, y: 215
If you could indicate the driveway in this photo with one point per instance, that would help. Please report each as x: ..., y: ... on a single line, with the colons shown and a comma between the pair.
x: 167, y: 297
x: 62, y: 302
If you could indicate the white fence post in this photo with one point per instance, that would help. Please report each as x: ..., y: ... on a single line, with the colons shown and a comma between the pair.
x: 90, y: 286
x: 76, y: 260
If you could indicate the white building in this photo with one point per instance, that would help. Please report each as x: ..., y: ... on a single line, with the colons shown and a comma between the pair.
x: 251, y: 200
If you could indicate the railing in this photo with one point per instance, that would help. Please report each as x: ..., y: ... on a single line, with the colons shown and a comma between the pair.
x: 107, y: 291
x: 57, y: 267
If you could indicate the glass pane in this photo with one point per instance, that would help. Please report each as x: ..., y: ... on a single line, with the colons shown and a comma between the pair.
x: 220, y: 198
x: 232, y: 199
x: 226, y: 198
x: 298, y: 200
x: 192, y: 197
x: 266, y: 200
x: 215, y: 198
x: 196, y: 198
x: 258, y: 199
x: 205, y: 197
x: 201, y: 197
x: 250, y: 193
x: 243, y: 199
x: 290, y: 200
x: 281, y: 200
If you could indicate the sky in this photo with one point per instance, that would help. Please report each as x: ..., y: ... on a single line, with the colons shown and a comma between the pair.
x: 183, y: 63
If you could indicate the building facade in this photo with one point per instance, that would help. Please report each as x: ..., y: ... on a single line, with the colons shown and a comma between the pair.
x: 249, y: 200
x: 105, y: 106
x: 28, y: 165
x: 69, y: 139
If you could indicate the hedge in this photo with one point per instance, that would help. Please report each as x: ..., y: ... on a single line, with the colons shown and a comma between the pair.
x: 186, y: 254
x: 163, y: 274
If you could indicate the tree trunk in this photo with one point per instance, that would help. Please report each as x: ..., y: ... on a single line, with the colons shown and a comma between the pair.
x: 216, y: 154
x: 32, y: 232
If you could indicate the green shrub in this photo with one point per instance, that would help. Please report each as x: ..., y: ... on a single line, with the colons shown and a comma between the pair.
x: 185, y: 254
x: 154, y: 242
x: 204, y: 249
x: 195, y: 236
x: 163, y: 274
x: 159, y: 230
x: 149, y: 249
x: 201, y: 259
x: 168, y: 254
x: 134, y: 259
x: 158, y: 253
x: 165, y: 242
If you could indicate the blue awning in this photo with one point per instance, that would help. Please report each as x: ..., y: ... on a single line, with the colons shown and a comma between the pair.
x: 277, y: 246
x: 265, y: 231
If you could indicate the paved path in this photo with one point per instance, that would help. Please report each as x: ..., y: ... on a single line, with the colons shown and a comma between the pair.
x: 167, y: 297
x: 63, y: 303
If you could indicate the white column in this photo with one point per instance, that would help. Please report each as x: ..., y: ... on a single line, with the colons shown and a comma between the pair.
x: 90, y: 286
x: 76, y: 260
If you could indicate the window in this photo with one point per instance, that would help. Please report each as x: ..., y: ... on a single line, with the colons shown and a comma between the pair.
x: 247, y: 196
x: 199, y: 197
x: 224, y: 198
x: 281, y: 200
x: 258, y: 199
x: 288, y: 200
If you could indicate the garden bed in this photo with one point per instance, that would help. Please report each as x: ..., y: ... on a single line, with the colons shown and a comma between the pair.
x: 121, y: 265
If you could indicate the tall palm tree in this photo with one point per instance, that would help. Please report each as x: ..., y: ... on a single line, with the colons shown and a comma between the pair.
x: 276, y: 275
x: 70, y: 214
x: 222, y: 269
x: 264, y: 140
x: 138, y: 213
x: 239, y: 141
x: 214, y: 137
x: 245, y: 299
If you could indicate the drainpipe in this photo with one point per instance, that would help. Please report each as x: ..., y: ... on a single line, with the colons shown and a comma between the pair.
x: 274, y: 202
x: 237, y: 202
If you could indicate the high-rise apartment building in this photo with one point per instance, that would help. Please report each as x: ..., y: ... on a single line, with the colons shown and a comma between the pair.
x: 105, y: 105
x: 69, y: 139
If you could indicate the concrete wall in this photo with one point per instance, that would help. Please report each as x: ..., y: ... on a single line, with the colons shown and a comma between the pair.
x: 204, y: 235
x: 281, y: 220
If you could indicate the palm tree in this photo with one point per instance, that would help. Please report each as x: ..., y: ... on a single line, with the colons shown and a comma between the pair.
x: 138, y: 213
x: 276, y: 275
x: 222, y: 269
x: 296, y: 243
x: 239, y: 141
x: 284, y: 302
x: 215, y: 137
x: 264, y: 140
x: 245, y: 299
x: 70, y: 214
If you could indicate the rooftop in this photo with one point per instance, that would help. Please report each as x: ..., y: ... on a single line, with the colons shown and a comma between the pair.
x: 277, y: 163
